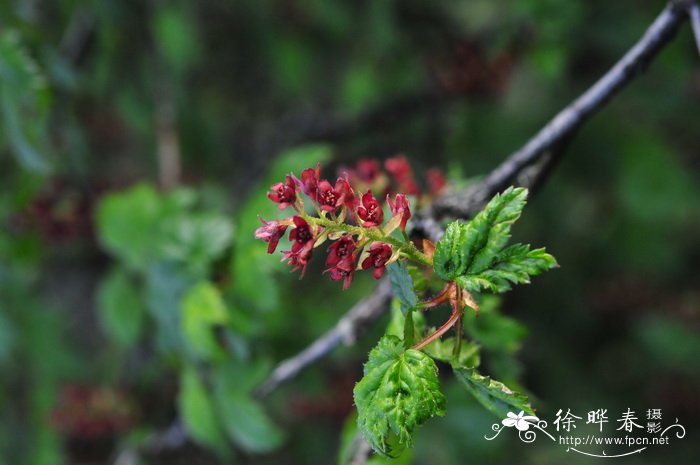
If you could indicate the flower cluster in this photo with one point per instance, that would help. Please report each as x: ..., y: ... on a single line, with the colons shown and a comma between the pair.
x: 397, y: 173
x: 353, y: 221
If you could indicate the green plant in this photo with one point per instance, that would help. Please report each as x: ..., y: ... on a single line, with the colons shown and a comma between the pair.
x: 400, y: 389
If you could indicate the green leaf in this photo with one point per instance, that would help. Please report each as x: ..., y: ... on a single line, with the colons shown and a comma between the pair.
x: 246, y: 423
x: 243, y: 418
x: 349, y: 437
x: 397, y: 323
x: 470, y: 248
x: 24, y: 101
x: 197, y: 411
x: 195, y: 238
x: 443, y: 350
x: 493, y: 395
x: 121, y: 308
x: 203, y: 309
x: 128, y: 224
x: 402, y: 285
x: 514, y: 264
x: 400, y: 390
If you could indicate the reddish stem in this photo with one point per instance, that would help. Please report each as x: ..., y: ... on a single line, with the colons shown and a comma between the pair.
x: 454, y: 317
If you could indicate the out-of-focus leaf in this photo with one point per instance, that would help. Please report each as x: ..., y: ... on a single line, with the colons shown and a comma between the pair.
x: 121, y: 308
x: 198, y: 412
x: 443, y: 350
x: 244, y: 419
x: 128, y: 225
x: 399, y: 392
x: 493, y: 395
x: 176, y: 37
x: 491, y: 329
x: 203, y: 309
x: 24, y: 101
x: 196, y: 239
x: 165, y: 286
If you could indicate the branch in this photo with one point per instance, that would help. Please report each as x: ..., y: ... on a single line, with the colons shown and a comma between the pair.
x: 529, y: 165
x: 694, y: 17
x: 346, y: 330
x: 567, y: 122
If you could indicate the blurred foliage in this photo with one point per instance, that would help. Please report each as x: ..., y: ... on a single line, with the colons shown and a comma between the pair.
x: 162, y: 299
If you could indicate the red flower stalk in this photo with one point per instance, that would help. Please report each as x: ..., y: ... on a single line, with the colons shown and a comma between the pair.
x: 370, y: 212
x: 309, y: 181
x: 400, y: 207
x: 331, y: 198
x: 285, y: 194
x: 271, y: 233
x: 379, y: 254
x: 299, y: 258
x: 301, y: 234
x: 340, y: 249
x: 436, y: 181
x: 344, y: 270
x: 401, y: 170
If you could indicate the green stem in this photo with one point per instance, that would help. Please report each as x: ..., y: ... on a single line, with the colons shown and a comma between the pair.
x: 408, y: 249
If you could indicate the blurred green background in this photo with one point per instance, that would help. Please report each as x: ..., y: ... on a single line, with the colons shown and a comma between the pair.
x: 138, y: 139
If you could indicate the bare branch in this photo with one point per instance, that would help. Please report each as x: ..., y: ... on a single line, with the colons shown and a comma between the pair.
x: 694, y: 17
x: 565, y: 124
x: 345, y: 331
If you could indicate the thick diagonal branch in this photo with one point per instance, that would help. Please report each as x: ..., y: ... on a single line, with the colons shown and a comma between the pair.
x: 567, y: 122
x: 345, y: 331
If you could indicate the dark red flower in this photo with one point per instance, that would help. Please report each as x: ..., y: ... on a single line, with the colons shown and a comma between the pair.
x: 344, y: 270
x: 370, y: 212
x: 284, y: 194
x: 400, y: 207
x: 299, y: 258
x: 367, y: 171
x: 309, y: 181
x: 379, y: 254
x: 340, y: 249
x: 271, y: 233
x: 401, y: 170
x: 349, y: 199
x: 436, y: 181
x: 301, y: 234
x: 331, y: 198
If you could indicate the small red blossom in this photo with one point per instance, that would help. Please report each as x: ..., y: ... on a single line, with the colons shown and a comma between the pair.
x: 400, y: 207
x: 284, y: 193
x: 379, y: 254
x: 436, y: 181
x: 340, y: 249
x: 301, y: 234
x: 309, y: 181
x: 271, y: 232
x: 401, y: 170
x: 367, y: 171
x: 299, y: 258
x: 349, y: 200
x: 370, y: 212
x: 344, y: 270
x: 329, y: 197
